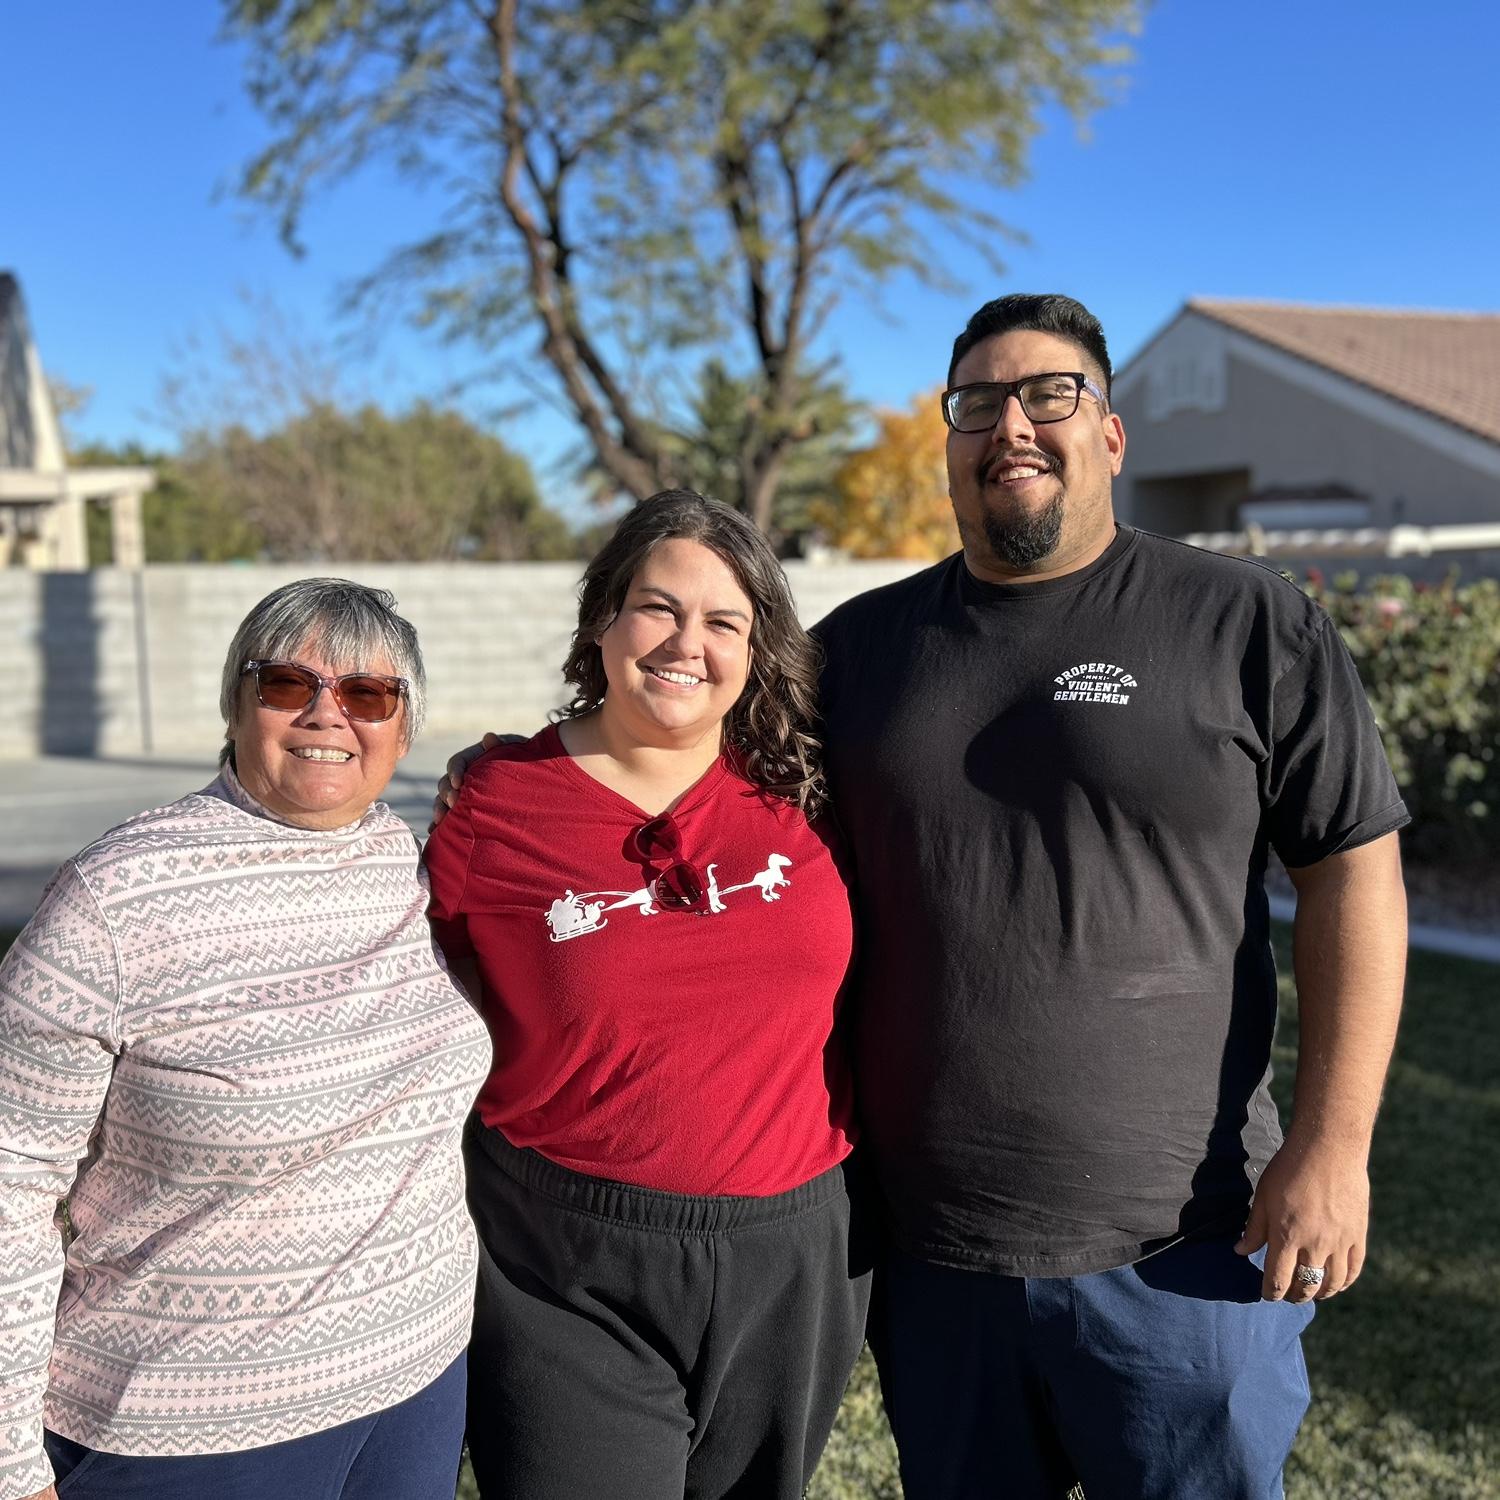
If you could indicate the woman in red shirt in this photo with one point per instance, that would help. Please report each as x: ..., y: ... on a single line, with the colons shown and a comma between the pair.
x: 658, y: 935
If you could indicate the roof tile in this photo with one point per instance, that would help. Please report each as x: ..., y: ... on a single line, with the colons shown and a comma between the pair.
x: 1447, y: 364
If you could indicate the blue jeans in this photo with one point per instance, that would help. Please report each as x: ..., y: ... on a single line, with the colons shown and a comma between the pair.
x: 1168, y: 1379
x: 407, y: 1452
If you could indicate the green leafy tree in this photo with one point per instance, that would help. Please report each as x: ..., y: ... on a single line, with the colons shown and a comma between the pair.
x: 182, y: 523
x: 641, y: 182
x: 274, y: 439
x: 727, y: 424
x: 333, y: 485
x: 330, y: 485
x: 713, y: 451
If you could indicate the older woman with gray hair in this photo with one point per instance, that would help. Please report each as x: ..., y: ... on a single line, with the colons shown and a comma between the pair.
x: 229, y: 1010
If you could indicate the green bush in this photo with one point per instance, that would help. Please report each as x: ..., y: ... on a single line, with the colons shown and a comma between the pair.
x: 1429, y: 657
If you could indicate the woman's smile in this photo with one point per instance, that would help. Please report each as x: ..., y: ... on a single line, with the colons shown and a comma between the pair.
x: 677, y: 655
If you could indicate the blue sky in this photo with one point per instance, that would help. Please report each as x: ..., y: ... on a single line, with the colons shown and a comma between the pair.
x: 1327, y: 151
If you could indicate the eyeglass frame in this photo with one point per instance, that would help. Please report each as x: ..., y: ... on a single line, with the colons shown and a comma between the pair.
x: 332, y: 684
x: 1013, y: 388
x: 666, y: 823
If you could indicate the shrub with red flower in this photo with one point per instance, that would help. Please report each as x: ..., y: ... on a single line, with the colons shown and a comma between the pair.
x: 1429, y: 657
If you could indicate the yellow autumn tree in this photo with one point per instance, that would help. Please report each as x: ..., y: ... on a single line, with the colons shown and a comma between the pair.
x: 891, y: 499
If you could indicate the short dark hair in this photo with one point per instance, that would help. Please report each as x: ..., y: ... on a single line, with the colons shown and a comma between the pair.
x: 773, y: 727
x: 1037, y: 312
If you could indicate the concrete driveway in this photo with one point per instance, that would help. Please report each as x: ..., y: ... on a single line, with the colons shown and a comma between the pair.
x: 51, y: 808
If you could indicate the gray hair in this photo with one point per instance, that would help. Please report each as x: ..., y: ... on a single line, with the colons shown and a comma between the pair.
x: 349, y: 624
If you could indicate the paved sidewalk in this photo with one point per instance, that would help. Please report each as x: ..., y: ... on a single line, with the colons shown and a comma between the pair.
x: 51, y: 808
x: 1483, y: 946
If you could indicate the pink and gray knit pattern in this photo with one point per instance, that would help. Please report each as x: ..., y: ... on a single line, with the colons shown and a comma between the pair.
x: 244, y: 1027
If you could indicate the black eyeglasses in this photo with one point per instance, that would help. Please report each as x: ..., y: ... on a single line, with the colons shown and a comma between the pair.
x: 1044, y: 398
x: 678, y: 885
x: 288, y: 687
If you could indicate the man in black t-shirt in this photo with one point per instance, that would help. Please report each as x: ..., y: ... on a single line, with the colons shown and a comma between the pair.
x: 1060, y: 758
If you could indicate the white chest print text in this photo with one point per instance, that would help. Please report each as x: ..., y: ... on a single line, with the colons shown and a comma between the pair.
x: 574, y: 914
x: 1094, y: 682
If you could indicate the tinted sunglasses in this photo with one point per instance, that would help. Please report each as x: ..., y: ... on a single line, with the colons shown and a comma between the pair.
x: 368, y: 697
x: 679, y: 884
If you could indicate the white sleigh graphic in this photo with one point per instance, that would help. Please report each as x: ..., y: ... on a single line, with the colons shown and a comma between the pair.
x: 572, y: 915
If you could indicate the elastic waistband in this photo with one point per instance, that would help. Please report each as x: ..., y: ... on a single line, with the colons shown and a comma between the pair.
x: 646, y: 1208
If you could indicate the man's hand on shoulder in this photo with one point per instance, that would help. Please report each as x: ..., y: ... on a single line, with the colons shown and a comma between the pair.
x: 1311, y: 1208
x: 453, y: 777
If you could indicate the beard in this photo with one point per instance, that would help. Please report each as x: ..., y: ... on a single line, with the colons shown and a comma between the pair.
x: 1024, y: 539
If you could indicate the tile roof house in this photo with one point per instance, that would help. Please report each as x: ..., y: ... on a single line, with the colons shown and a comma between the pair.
x: 1286, y: 416
x: 42, y: 500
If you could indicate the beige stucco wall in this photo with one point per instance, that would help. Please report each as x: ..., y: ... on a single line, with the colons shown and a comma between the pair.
x: 1282, y: 433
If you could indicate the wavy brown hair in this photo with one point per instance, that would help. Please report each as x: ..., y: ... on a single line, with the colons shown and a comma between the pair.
x: 773, y: 727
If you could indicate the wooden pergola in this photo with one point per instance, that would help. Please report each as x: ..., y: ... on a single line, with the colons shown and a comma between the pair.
x: 42, y: 521
x: 43, y: 502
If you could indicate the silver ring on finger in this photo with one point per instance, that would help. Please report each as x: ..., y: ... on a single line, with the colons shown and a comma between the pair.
x: 1310, y: 1275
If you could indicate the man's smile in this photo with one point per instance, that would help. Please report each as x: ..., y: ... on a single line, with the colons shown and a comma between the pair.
x: 1014, y: 469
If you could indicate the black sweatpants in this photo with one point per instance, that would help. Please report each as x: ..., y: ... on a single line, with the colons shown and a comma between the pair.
x: 638, y: 1345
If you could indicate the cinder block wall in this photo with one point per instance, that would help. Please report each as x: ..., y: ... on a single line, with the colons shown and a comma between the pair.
x: 109, y: 662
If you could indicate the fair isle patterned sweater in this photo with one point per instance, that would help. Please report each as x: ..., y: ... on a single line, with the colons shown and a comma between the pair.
x: 245, y: 1028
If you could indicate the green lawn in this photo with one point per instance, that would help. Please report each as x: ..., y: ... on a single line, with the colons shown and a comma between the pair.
x: 1406, y: 1367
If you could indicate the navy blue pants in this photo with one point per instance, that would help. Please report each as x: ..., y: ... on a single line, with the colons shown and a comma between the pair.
x: 408, y: 1452
x: 1168, y: 1379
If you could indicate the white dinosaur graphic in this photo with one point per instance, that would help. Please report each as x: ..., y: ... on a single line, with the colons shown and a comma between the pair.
x: 573, y: 915
x: 767, y: 880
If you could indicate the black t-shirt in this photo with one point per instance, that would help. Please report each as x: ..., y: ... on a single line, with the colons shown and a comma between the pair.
x: 1059, y: 797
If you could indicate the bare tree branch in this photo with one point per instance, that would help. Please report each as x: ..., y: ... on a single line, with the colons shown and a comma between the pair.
x: 629, y: 459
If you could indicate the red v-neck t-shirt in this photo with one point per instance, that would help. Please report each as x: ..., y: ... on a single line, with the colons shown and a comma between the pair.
x: 686, y: 1053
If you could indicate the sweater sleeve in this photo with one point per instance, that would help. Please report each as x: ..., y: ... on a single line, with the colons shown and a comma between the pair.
x: 59, y: 1002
